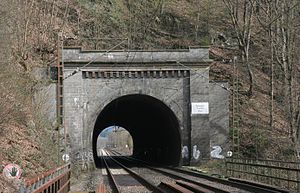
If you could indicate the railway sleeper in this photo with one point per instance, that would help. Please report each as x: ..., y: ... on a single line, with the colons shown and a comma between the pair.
x: 101, y: 188
x: 174, y: 187
x: 193, y: 187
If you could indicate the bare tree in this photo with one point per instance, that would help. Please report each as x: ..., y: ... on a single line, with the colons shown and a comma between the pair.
x: 241, y: 13
x: 285, y: 38
x: 265, y: 15
x: 279, y: 19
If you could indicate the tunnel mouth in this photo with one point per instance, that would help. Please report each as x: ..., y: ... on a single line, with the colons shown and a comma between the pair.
x: 152, y: 124
x: 116, y: 139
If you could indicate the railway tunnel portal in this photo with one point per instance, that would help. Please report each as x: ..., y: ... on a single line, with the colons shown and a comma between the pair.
x: 152, y: 124
x: 163, y: 98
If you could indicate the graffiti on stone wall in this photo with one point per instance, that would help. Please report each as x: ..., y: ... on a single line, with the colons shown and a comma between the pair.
x: 76, y: 102
x: 216, y: 152
x: 185, y: 152
x: 84, y: 156
x: 196, y: 152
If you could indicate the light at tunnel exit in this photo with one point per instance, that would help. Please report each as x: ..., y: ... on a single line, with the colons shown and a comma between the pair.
x: 115, y: 138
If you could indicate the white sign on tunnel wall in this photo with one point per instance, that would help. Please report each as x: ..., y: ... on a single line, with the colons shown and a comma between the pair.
x: 200, y: 108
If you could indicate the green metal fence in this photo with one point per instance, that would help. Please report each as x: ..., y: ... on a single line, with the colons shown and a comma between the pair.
x: 278, y: 173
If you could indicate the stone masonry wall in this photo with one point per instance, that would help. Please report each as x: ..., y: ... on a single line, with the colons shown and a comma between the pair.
x: 85, y: 97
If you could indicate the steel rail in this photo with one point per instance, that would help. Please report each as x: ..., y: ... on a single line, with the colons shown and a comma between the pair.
x: 175, y: 187
x: 111, y: 177
x: 206, y: 186
x: 245, y: 186
x: 136, y: 176
x: 237, y: 184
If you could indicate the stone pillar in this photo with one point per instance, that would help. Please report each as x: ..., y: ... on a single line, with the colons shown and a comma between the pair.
x: 219, y: 119
x: 186, y: 130
x: 199, y: 120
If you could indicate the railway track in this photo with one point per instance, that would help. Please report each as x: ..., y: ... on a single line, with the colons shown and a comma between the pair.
x: 179, y: 180
x: 123, y: 179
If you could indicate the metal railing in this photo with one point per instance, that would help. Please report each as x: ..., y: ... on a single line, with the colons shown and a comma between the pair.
x: 54, y: 181
x: 277, y: 173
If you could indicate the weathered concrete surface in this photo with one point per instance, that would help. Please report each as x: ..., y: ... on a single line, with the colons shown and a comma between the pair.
x: 45, y: 97
x: 85, y: 98
x: 192, y: 55
x: 199, y: 122
x: 219, y: 119
x: 111, y: 76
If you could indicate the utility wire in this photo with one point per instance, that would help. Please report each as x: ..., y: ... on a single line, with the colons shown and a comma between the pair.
x: 179, y: 63
x: 93, y: 60
x: 198, y: 74
x: 178, y: 90
x: 201, y: 74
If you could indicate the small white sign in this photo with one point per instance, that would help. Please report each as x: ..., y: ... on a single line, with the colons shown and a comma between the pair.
x: 200, y: 108
x: 65, y: 157
x: 229, y: 153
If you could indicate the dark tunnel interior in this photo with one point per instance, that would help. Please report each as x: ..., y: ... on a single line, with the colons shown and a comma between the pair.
x: 152, y: 124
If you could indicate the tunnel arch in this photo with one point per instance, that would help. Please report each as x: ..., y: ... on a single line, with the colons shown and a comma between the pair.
x: 152, y: 124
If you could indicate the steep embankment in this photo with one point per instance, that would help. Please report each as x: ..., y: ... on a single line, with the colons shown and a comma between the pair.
x: 27, y: 137
x: 256, y: 137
